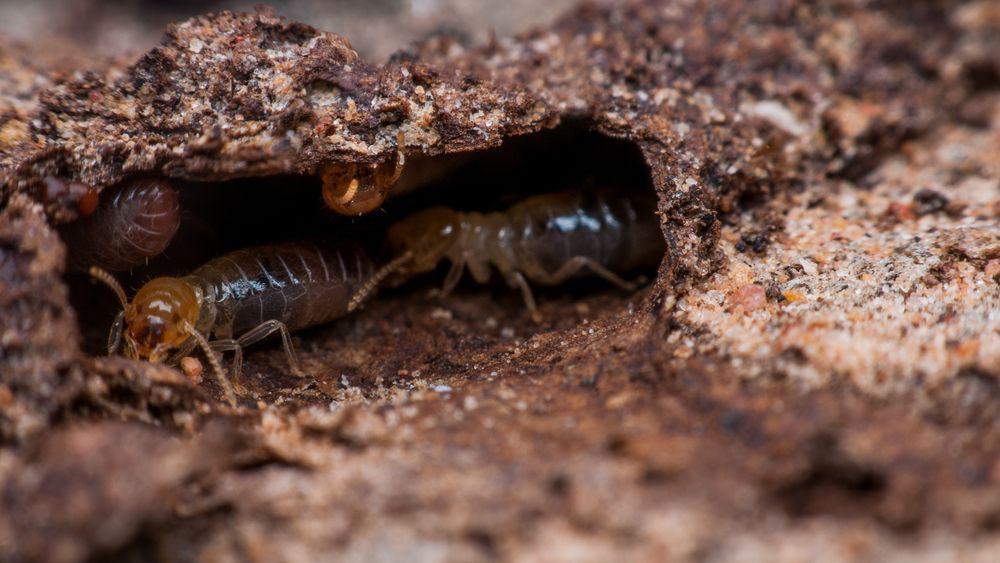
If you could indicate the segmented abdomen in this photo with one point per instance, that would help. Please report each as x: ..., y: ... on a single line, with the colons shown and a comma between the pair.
x: 617, y: 229
x: 133, y: 223
x: 299, y: 284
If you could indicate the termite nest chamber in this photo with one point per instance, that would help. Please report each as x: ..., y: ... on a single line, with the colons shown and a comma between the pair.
x: 547, y: 231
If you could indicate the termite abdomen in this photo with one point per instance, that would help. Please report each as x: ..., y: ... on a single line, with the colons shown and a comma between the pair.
x: 134, y: 222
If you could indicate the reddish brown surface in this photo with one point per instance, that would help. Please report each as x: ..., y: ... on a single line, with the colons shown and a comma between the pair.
x: 624, y: 426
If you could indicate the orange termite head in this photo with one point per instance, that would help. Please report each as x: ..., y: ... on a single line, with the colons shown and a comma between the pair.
x: 428, y: 237
x: 160, y: 318
x: 356, y: 189
x: 350, y: 189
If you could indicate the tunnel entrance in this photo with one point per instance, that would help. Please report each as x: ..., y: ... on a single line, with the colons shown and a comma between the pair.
x: 222, y: 217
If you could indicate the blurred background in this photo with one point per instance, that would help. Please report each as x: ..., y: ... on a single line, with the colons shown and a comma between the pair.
x: 375, y: 28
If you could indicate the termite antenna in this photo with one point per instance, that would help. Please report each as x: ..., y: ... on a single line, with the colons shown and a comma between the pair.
x: 373, y: 282
x: 109, y: 280
x: 213, y: 361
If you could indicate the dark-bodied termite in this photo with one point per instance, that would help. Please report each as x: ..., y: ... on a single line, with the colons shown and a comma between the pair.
x: 239, y: 299
x: 356, y: 189
x: 546, y: 239
x: 132, y: 223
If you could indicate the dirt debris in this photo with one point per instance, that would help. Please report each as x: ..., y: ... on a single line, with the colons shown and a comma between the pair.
x: 69, y: 509
x: 37, y: 326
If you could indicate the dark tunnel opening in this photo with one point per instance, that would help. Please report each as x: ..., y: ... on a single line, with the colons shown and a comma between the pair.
x: 221, y: 217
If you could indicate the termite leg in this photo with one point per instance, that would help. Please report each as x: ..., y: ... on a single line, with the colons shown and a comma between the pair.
x: 574, y: 265
x: 567, y: 270
x: 517, y: 279
x: 236, y: 370
x: 213, y: 360
x: 453, y: 277
x: 257, y: 334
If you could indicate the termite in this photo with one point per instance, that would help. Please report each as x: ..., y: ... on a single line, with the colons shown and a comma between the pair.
x: 132, y: 223
x: 545, y: 239
x: 356, y: 189
x: 240, y: 298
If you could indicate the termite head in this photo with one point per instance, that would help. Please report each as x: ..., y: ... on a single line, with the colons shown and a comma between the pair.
x: 160, y: 318
x: 356, y: 189
x: 427, y: 237
x: 351, y: 189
